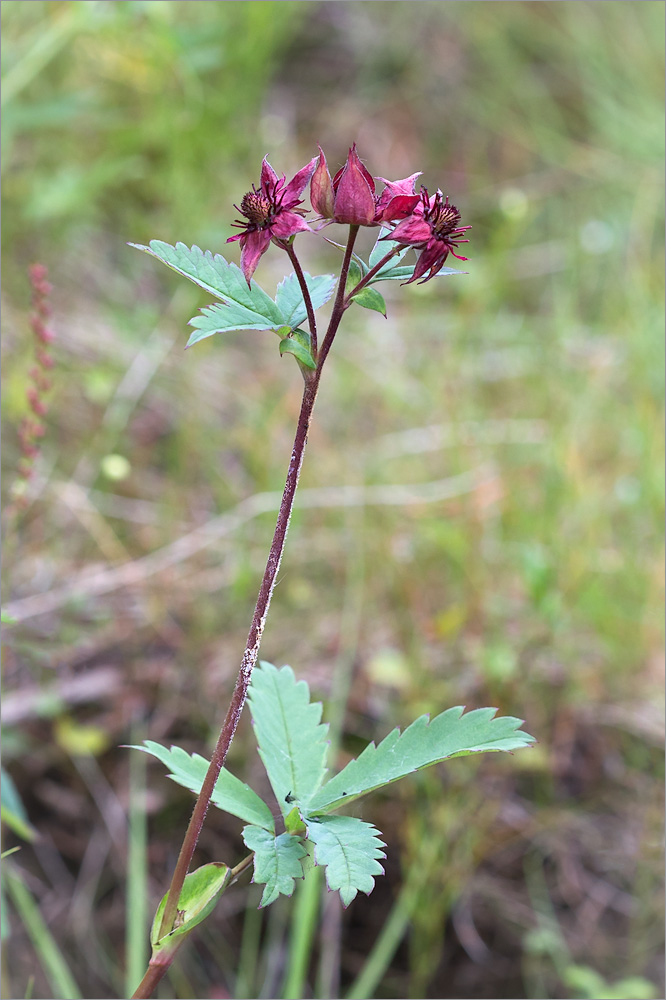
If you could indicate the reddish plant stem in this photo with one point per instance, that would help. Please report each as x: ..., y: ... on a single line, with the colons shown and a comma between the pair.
x: 155, y: 972
x: 298, y: 270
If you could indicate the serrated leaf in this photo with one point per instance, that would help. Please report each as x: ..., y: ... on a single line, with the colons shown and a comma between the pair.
x: 298, y: 344
x: 292, y: 743
x: 247, y: 307
x: 230, y: 794
x: 450, y: 734
x: 289, y: 297
x: 369, y: 298
x: 201, y: 890
x: 349, y: 848
x: 382, y: 247
x: 218, y: 318
x: 277, y: 861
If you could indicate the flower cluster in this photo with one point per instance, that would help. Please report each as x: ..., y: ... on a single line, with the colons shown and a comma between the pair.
x: 272, y: 213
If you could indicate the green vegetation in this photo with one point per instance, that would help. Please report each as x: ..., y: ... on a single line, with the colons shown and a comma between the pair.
x: 480, y: 522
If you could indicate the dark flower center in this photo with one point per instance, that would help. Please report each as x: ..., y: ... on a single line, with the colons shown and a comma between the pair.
x: 257, y: 207
x: 444, y: 218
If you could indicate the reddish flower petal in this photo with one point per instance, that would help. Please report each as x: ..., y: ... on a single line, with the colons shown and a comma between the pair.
x: 413, y: 231
x: 286, y: 224
x: 398, y: 207
x: 321, y: 189
x: 294, y: 188
x: 252, y: 248
x: 431, y: 259
x: 268, y: 176
x: 353, y: 156
x: 354, y: 196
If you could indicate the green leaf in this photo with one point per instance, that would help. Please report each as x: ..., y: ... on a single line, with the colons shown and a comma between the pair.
x: 349, y: 848
x: 245, y: 308
x: 382, y: 247
x: 277, y: 861
x: 370, y: 298
x: 201, y: 890
x: 354, y: 275
x: 230, y: 794
x: 291, y: 740
x: 289, y: 298
x: 298, y: 344
x: 450, y: 734
x: 6, y: 618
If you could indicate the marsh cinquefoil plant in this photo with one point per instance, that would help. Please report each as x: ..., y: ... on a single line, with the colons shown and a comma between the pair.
x: 291, y: 738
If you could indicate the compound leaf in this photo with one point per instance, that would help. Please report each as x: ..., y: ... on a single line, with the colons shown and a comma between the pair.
x: 245, y: 307
x: 289, y: 298
x: 292, y: 743
x: 277, y: 861
x: 230, y: 793
x: 451, y: 734
x: 349, y: 848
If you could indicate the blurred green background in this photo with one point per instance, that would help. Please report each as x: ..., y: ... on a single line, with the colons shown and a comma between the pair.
x: 520, y: 405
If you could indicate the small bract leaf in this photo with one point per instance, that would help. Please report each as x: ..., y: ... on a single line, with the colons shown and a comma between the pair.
x: 349, y: 848
x: 277, y: 861
x: 299, y: 345
x: 201, y: 890
x: 450, y: 734
x: 229, y: 794
x: 292, y: 743
x: 370, y: 298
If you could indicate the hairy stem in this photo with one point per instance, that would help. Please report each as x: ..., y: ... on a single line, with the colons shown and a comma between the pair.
x: 298, y: 270
x: 250, y: 656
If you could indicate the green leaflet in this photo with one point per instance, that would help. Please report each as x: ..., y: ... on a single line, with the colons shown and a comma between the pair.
x: 370, y: 298
x: 450, y: 734
x: 277, y: 861
x: 230, y: 794
x: 292, y: 743
x: 349, y: 848
x: 298, y: 343
x: 289, y: 297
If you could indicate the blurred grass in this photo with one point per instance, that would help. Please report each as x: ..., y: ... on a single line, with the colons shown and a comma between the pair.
x: 538, y: 591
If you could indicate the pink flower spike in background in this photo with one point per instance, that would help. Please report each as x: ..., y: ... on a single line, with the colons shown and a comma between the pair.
x: 271, y: 213
x: 350, y: 197
x: 434, y: 228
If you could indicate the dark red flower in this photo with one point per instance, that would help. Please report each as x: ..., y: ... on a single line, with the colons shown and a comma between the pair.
x: 350, y: 197
x: 271, y: 213
x: 434, y: 228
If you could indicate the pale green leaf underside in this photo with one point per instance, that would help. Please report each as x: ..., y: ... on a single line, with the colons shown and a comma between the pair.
x: 289, y: 297
x: 381, y: 248
x: 423, y: 743
x: 349, y: 848
x: 277, y: 861
x: 292, y: 743
x: 230, y: 794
